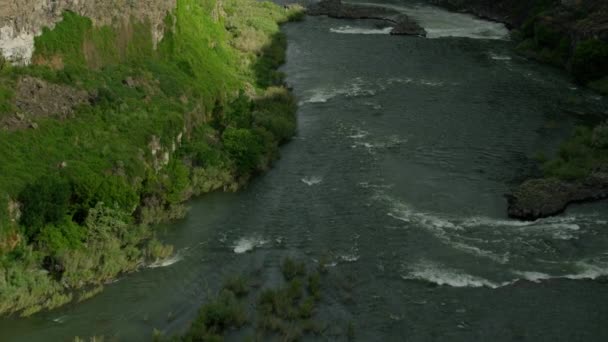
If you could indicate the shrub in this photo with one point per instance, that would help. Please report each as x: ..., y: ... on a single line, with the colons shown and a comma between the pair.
x: 292, y: 269
x: 238, y: 114
x: 237, y: 285
x: 314, y: 285
x: 114, y: 191
x: 590, y: 60
x: 63, y: 236
x: 44, y: 202
x: 244, y: 147
x: 216, y: 317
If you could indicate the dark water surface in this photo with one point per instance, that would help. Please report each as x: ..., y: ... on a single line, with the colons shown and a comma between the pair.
x: 396, y: 178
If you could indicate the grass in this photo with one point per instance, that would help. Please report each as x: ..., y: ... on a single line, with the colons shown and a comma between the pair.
x: 195, y: 115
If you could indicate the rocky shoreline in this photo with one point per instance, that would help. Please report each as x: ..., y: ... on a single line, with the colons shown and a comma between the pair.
x: 401, y: 23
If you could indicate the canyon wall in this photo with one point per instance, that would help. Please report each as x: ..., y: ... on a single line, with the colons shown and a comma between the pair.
x: 22, y: 20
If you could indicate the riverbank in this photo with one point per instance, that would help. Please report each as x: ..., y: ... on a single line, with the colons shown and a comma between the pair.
x: 108, y: 132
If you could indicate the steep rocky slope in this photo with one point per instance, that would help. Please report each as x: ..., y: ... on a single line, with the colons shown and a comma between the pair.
x: 22, y: 20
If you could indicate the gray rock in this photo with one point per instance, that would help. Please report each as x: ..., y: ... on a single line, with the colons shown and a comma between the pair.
x: 406, y: 26
x: 538, y: 198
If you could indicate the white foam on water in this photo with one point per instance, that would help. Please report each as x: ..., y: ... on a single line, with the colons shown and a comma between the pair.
x: 349, y: 257
x: 441, y: 275
x: 586, y: 271
x: 498, y: 57
x: 356, y: 87
x: 246, y: 244
x: 532, y: 276
x: 175, y: 258
x: 359, y: 134
x: 559, y: 227
x: 431, y: 83
x: 360, y: 30
x: 398, y: 80
x: 440, y: 23
x: 313, y: 180
x: 60, y: 319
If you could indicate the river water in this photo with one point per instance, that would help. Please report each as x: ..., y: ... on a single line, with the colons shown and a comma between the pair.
x: 396, y: 179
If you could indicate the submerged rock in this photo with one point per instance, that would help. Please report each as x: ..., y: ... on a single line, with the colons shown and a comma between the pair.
x: 406, y: 26
x: 538, y: 198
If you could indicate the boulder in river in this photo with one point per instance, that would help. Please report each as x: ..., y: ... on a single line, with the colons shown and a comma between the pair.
x: 538, y: 198
x: 406, y: 26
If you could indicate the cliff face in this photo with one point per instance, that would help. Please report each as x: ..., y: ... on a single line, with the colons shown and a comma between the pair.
x: 22, y: 20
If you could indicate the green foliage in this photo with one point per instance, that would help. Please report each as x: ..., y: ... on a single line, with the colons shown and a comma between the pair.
x: 64, y: 236
x: 44, y: 202
x: 276, y: 113
x: 237, y: 285
x: 114, y: 191
x: 579, y: 155
x: 600, y: 85
x: 292, y: 269
x: 314, y: 285
x: 215, y: 317
x: 546, y: 36
x: 177, y: 182
x: 590, y: 60
x: 244, y: 147
x: 6, y: 100
x: 65, y: 40
x: 238, y: 114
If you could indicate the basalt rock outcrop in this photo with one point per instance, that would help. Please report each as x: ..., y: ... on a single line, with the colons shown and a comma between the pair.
x: 22, y: 20
x: 538, y: 198
x: 401, y: 23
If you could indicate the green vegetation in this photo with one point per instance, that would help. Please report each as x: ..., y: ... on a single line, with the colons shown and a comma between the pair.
x: 590, y: 60
x: 285, y: 312
x: 543, y: 39
x: 202, y: 111
x: 585, y: 151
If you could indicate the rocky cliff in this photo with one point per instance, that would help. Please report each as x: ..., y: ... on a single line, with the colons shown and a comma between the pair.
x: 22, y: 20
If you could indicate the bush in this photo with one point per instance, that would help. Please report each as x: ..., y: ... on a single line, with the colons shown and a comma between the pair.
x: 244, y: 147
x: 237, y: 285
x: 238, y: 114
x: 216, y: 317
x: 590, y: 60
x: 292, y: 269
x: 45, y: 202
x: 64, y: 236
x: 114, y: 191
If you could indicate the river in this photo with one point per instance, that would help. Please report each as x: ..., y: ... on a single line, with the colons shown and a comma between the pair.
x: 396, y: 178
